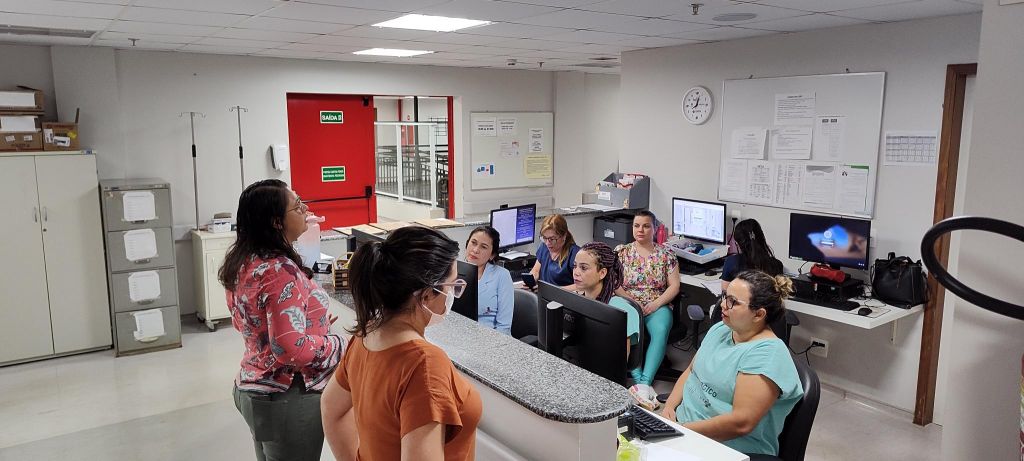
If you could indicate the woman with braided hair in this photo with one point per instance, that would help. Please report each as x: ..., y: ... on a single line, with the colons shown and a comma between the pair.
x: 742, y: 383
x: 597, y: 273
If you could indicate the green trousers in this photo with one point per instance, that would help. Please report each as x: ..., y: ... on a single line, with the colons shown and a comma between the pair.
x: 284, y: 425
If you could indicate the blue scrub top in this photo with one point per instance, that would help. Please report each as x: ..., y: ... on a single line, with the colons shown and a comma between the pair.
x: 551, y: 271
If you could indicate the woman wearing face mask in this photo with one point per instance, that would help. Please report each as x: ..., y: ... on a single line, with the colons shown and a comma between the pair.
x: 282, y: 315
x: 651, y: 279
x: 556, y: 256
x: 596, y: 275
x: 396, y: 396
x: 742, y: 384
x: 754, y: 253
x: 495, y: 301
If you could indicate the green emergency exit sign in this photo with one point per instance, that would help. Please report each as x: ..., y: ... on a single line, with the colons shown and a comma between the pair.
x: 332, y: 173
x: 332, y: 116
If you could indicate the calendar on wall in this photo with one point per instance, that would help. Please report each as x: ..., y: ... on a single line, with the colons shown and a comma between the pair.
x: 911, y: 148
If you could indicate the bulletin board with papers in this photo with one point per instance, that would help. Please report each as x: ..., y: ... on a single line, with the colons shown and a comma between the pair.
x: 511, y: 149
x: 804, y: 143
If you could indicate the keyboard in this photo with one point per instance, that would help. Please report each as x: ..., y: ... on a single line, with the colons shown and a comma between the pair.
x: 646, y: 426
x: 838, y: 304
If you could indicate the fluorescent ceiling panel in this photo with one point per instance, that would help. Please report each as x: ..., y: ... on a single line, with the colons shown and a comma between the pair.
x: 431, y: 23
x: 391, y: 52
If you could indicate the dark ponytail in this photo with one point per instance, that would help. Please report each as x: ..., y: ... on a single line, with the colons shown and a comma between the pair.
x: 385, y: 275
x: 755, y: 250
x: 606, y: 259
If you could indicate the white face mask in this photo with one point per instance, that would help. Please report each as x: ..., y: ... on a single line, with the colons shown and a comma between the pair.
x: 449, y: 301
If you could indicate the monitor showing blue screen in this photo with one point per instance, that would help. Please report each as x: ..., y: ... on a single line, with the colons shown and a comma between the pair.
x: 829, y: 240
x: 516, y: 226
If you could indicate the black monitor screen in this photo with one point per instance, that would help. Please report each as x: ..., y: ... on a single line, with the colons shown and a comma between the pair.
x: 829, y: 240
x: 516, y: 226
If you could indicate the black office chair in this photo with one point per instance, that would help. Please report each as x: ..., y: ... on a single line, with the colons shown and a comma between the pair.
x: 797, y: 428
x: 524, y: 317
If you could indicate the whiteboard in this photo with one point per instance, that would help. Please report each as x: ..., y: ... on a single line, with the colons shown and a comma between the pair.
x: 804, y: 143
x: 511, y: 149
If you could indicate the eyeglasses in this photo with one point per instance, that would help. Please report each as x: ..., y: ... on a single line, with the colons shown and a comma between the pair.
x: 730, y: 302
x: 458, y: 287
x: 551, y: 239
x: 302, y: 208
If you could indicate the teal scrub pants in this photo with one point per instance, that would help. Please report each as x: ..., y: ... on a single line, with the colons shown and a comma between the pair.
x: 657, y: 325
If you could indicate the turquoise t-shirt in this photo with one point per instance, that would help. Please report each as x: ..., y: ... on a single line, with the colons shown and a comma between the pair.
x: 632, y: 317
x: 711, y: 385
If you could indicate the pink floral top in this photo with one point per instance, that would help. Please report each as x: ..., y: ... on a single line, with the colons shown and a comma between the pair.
x: 645, y: 278
x: 282, y: 316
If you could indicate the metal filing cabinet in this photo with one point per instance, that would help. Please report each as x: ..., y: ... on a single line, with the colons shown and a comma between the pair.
x: 141, y: 270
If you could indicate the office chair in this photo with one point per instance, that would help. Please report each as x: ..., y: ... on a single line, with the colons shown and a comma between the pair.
x: 524, y: 317
x: 797, y: 428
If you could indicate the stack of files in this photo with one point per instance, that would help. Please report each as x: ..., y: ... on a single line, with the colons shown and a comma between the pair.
x: 369, y: 229
x: 439, y: 223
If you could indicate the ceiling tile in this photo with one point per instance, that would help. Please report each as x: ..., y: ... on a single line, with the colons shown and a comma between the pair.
x: 530, y: 44
x: 386, y: 32
x: 218, y: 49
x: 575, y: 19
x: 712, y: 9
x: 973, y: 2
x: 808, y: 22
x: 486, y: 10
x: 142, y: 38
x: 552, y: 55
x: 722, y: 33
x: 56, y: 22
x: 161, y: 28
x: 646, y: 8
x: 61, y: 8
x: 401, y: 6
x: 651, y: 27
x: 321, y: 47
x: 505, y: 29
x: 915, y: 10
x: 254, y: 34
x: 111, y: 2
x: 139, y: 45
x: 216, y: 6
x: 462, y: 39
x: 296, y: 54
x: 355, y: 41
x: 432, y: 46
x: 555, y: 3
x: 218, y: 41
x: 489, y: 50
x: 656, y: 42
x: 327, y: 13
x: 195, y: 18
x: 612, y: 50
x: 825, y: 6
x: 589, y: 36
x: 291, y: 25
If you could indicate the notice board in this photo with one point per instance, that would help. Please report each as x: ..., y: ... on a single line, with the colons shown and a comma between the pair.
x: 804, y: 143
x: 511, y: 149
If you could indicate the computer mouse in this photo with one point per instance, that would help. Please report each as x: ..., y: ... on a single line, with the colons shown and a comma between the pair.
x: 865, y: 311
x: 711, y: 273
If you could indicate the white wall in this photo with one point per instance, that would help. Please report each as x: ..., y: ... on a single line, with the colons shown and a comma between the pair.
x: 29, y: 66
x: 588, y: 127
x: 986, y: 348
x: 683, y: 159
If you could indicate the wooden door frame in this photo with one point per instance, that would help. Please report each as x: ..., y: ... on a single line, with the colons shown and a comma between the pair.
x: 945, y: 190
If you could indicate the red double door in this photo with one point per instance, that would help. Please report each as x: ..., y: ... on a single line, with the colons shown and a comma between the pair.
x: 331, y: 141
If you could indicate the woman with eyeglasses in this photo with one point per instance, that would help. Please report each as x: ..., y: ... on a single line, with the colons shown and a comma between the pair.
x: 742, y: 384
x: 396, y: 396
x: 557, y: 255
x: 495, y: 299
x: 282, y: 315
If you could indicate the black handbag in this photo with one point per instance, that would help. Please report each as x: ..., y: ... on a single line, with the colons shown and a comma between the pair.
x: 899, y: 281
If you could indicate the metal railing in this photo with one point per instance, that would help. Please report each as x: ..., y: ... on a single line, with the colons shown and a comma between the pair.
x: 420, y: 174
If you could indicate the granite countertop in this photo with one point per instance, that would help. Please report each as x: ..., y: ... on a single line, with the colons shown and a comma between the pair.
x: 540, y: 382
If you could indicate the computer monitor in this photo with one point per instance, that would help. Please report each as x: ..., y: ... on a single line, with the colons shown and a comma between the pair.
x: 699, y: 220
x: 516, y: 225
x: 595, y: 327
x: 467, y: 303
x: 832, y: 240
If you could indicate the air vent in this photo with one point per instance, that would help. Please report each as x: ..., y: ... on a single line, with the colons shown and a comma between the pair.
x: 44, y: 32
x: 604, y: 58
x: 602, y: 65
x: 733, y: 17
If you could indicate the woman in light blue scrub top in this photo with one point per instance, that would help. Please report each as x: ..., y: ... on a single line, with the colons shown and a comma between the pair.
x: 495, y: 302
x: 742, y: 384
x: 557, y: 255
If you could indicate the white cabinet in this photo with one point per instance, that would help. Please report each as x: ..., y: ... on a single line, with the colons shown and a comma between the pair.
x: 208, y: 251
x: 54, y: 293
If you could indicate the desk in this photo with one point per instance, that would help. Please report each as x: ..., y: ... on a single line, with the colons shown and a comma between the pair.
x: 699, y: 446
x: 891, y: 314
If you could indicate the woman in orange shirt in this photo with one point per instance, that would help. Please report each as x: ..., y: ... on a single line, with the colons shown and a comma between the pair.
x: 395, y: 395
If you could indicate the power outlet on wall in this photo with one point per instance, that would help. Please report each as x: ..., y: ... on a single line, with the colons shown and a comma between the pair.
x: 735, y: 213
x: 819, y: 347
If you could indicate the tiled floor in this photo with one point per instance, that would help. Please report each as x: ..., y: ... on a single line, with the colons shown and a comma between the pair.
x: 176, y: 405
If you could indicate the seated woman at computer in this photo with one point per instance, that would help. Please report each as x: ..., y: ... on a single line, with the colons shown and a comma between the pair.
x: 754, y: 253
x: 596, y: 275
x: 495, y: 302
x: 742, y: 383
x: 556, y: 256
x: 651, y: 279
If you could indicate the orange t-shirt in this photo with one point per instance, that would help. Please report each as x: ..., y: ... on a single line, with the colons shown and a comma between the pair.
x: 403, y: 387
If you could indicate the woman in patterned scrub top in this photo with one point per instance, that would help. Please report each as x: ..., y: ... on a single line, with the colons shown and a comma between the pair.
x: 651, y: 279
x: 282, y: 315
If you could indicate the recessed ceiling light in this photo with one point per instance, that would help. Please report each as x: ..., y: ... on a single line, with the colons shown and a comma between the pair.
x: 433, y: 23
x: 392, y: 52
x: 42, y: 31
x: 733, y: 17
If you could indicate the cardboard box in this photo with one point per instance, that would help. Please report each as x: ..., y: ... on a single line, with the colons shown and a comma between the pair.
x: 23, y: 100
x: 60, y: 136
x: 21, y: 142
x: 19, y: 123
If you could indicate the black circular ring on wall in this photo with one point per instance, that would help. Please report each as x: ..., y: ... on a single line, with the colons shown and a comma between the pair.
x: 931, y: 260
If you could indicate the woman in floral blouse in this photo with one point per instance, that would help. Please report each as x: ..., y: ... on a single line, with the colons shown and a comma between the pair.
x: 282, y: 315
x: 651, y: 279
